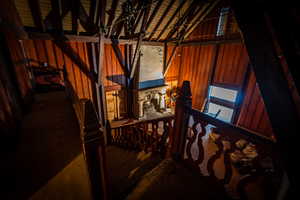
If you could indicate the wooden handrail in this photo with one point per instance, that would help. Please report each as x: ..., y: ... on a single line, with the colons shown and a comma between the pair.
x: 137, y: 135
x: 238, y: 149
x: 143, y: 121
x: 93, y: 148
x: 225, y: 127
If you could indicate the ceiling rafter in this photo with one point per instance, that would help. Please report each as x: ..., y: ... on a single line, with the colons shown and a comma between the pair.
x: 120, y: 21
x: 112, y: 13
x: 187, y: 13
x: 35, y: 9
x: 154, y: 12
x: 57, y: 19
x: 161, y: 19
x: 141, y: 36
x: 182, y: 29
x: 100, y: 16
x: 138, y: 17
x: 206, y: 10
x: 170, y: 20
x: 92, y: 10
x: 75, y: 15
x: 84, y: 19
x: 51, y: 18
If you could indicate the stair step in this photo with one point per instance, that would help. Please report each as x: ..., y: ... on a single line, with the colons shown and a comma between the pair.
x: 171, y: 180
x: 126, y: 168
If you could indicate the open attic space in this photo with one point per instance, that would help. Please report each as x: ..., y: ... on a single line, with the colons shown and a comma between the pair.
x: 149, y: 99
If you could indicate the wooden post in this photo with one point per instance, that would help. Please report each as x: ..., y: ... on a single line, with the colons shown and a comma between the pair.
x: 183, y: 103
x: 271, y: 81
x: 94, y: 149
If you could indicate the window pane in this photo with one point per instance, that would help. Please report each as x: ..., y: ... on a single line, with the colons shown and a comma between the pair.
x: 224, y: 115
x: 223, y: 93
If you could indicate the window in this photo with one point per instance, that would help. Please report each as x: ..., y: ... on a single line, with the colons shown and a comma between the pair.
x: 221, y: 102
x: 222, y: 21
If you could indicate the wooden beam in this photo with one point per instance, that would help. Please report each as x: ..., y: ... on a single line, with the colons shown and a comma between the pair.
x: 138, y: 19
x: 212, y: 71
x: 188, y: 12
x: 165, y: 56
x: 135, y: 57
x: 120, y: 58
x: 237, y: 39
x: 35, y: 9
x: 92, y: 11
x: 10, y: 21
x: 283, y: 28
x: 86, y: 22
x: 154, y: 12
x: 75, y: 6
x: 48, y: 36
x: 68, y: 51
x: 56, y: 20
x: 161, y: 19
x: 112, y: 13
x: 142, y: 34
x: 271, y: 81
x: 170, y: 60
x: 173, y: 17
x: 241, y: 94
x: 83, y: 38
x: 100, y: 16
x: 201, y: 17
x: 134, y: 41
x: 100, y: 88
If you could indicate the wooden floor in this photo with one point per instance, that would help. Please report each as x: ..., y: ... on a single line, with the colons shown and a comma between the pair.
x: 126, y: 168
x: 48, y: 161
x: 171, y: 180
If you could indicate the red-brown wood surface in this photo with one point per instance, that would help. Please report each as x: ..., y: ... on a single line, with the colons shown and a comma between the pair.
x: 253, y: 114
x: 231, y: 64
x: 113, y: 75
x: 46, y: 51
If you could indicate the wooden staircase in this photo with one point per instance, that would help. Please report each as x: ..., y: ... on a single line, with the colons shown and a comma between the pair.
x: 174, y: 158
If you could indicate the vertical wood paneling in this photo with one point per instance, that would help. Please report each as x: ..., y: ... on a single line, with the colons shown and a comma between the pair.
x: 173, y: 70
x: 18, y: 60
x: 195, y: 66
x: 207, y: 29
x: 113, y: 75
x: 40, y: 51
x: 253, y: 113
x: 231, y: 64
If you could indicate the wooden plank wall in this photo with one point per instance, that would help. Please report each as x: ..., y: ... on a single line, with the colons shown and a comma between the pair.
x: 207, y: 29
x: 231, y: 64
x: 113, y: 75
x: 15, y: 88
x: 194, y: 63
x: 46, y: 51
x: 253, y: 114
x: 19, y: 63
x: 10, y: 104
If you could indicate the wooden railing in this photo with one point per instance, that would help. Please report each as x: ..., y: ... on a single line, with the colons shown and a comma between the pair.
x: 93, y: 141
x: 231, y: 155
x: 148, y: 135
x: 93, y: 147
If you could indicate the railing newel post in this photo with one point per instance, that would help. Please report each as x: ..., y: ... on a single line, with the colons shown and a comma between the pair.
x: 93, y: 149
x: 177, y: 138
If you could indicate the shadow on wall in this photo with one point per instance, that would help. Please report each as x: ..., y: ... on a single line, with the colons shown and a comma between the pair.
x: 119, y: 79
